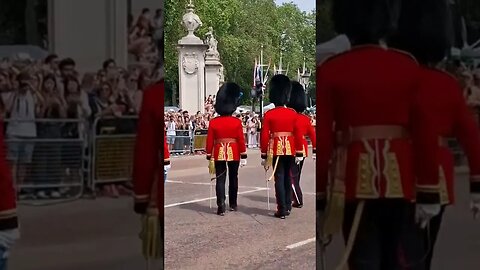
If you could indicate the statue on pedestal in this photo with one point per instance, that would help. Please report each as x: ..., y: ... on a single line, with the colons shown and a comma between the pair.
x: 212, y: 42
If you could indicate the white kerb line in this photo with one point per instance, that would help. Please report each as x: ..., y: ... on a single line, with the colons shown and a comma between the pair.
x: 209, y: 198
x: 301, y: 243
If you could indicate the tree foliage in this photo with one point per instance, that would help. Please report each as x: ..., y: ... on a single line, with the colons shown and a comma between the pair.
x: 241, y: 27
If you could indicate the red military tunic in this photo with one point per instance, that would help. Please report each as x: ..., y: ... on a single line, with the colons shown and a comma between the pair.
x: 443, y: 96
x: 225, y: 139
x: 146, y: 167
x: 279, y: 125
x: 8, y: 207
x: 166, y: 153
x: 367, y: 96
x: 306, y: 129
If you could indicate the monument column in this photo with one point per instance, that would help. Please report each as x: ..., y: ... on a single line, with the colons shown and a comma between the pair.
x: 191, y: 65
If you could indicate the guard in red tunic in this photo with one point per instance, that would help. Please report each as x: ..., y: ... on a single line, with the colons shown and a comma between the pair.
x: 371, y: 127
x: 166, y: 158
x: 424, y: 32
x: 277, y: 142
x: 8, y: 209
x: 148, y: 150
x: 298, y: 102
x: 226, y: 145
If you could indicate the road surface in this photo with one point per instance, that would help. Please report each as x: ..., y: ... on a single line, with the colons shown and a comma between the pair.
x: 102, y: 234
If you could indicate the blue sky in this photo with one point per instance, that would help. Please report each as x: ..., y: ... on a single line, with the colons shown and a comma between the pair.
x: 305, y: 5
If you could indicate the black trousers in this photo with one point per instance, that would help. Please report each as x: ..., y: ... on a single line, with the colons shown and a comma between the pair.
x: 296, y: 172
x: 221, y: 173
x: 283, y: 182
x: 387, y: 236
x: 431, y: 236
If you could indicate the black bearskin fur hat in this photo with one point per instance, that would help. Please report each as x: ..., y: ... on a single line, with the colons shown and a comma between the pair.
x: 228, y: 98
x: 298, y: 98
x: 279, y: 90
x: 365, y: 21
x: 424, y: 30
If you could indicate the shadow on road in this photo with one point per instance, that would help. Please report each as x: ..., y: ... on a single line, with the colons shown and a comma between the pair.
x: 259, y: 198
x: 241, y: 209
x: 200, y: 208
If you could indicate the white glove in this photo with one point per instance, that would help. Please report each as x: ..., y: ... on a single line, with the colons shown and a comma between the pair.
x: 425, y: 212
x: 264, y: 162
x: 243, y: 162
x: 475, y: 205
x: 166, y: 168
x: 298, y: 160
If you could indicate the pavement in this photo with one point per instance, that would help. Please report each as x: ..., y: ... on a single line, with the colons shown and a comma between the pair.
x: 102, y: 234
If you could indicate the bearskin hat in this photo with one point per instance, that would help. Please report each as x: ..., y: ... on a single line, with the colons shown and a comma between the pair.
x: 424, y: 30
x: 365, y: 21
x: 298, y: 98
x: 279, y: 90
x: 228, y: 98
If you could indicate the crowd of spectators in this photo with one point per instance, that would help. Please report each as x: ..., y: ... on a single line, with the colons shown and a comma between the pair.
x: 180, y: 127
x: 143, y: 35
x: 52, y: 88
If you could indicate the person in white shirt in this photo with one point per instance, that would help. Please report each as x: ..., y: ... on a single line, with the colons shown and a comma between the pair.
x: 171, y: 132
x: 22, y: 127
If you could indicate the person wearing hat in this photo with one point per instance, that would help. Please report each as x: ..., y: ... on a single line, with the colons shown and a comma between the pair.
x: 226, y: 149
x: 424, y: 33
x: 277, y: 142
x: 298, y: 102
x: 382, y: 149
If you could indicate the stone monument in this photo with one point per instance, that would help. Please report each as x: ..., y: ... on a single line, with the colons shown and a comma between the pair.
x: 213, y: 68
x: 191, y: 64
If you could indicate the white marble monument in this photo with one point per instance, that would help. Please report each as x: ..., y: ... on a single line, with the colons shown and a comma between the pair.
x: 191, y: 64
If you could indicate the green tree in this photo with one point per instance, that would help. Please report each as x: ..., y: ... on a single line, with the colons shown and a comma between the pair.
x: 241, y: 27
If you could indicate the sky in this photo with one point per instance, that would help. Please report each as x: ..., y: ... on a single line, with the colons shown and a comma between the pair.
x: 304, y: 5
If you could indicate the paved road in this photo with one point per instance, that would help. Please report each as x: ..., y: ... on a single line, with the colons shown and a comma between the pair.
x: 102, y: 234
x: 196, y: 238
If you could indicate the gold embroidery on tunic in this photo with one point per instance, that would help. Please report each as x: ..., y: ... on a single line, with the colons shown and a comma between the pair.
x: 365, y: 187
x: 288, y: 148
x: 229, y: 153
x: 444, y: 199
x: 279, y: 147
x: 391, y: 171
x: 221, y: 153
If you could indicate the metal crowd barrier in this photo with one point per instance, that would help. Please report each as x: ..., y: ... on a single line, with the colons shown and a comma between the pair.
x: 47, y: 168
x: 199, y: 139
x: 113, y: 142
x: 182, y: 142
